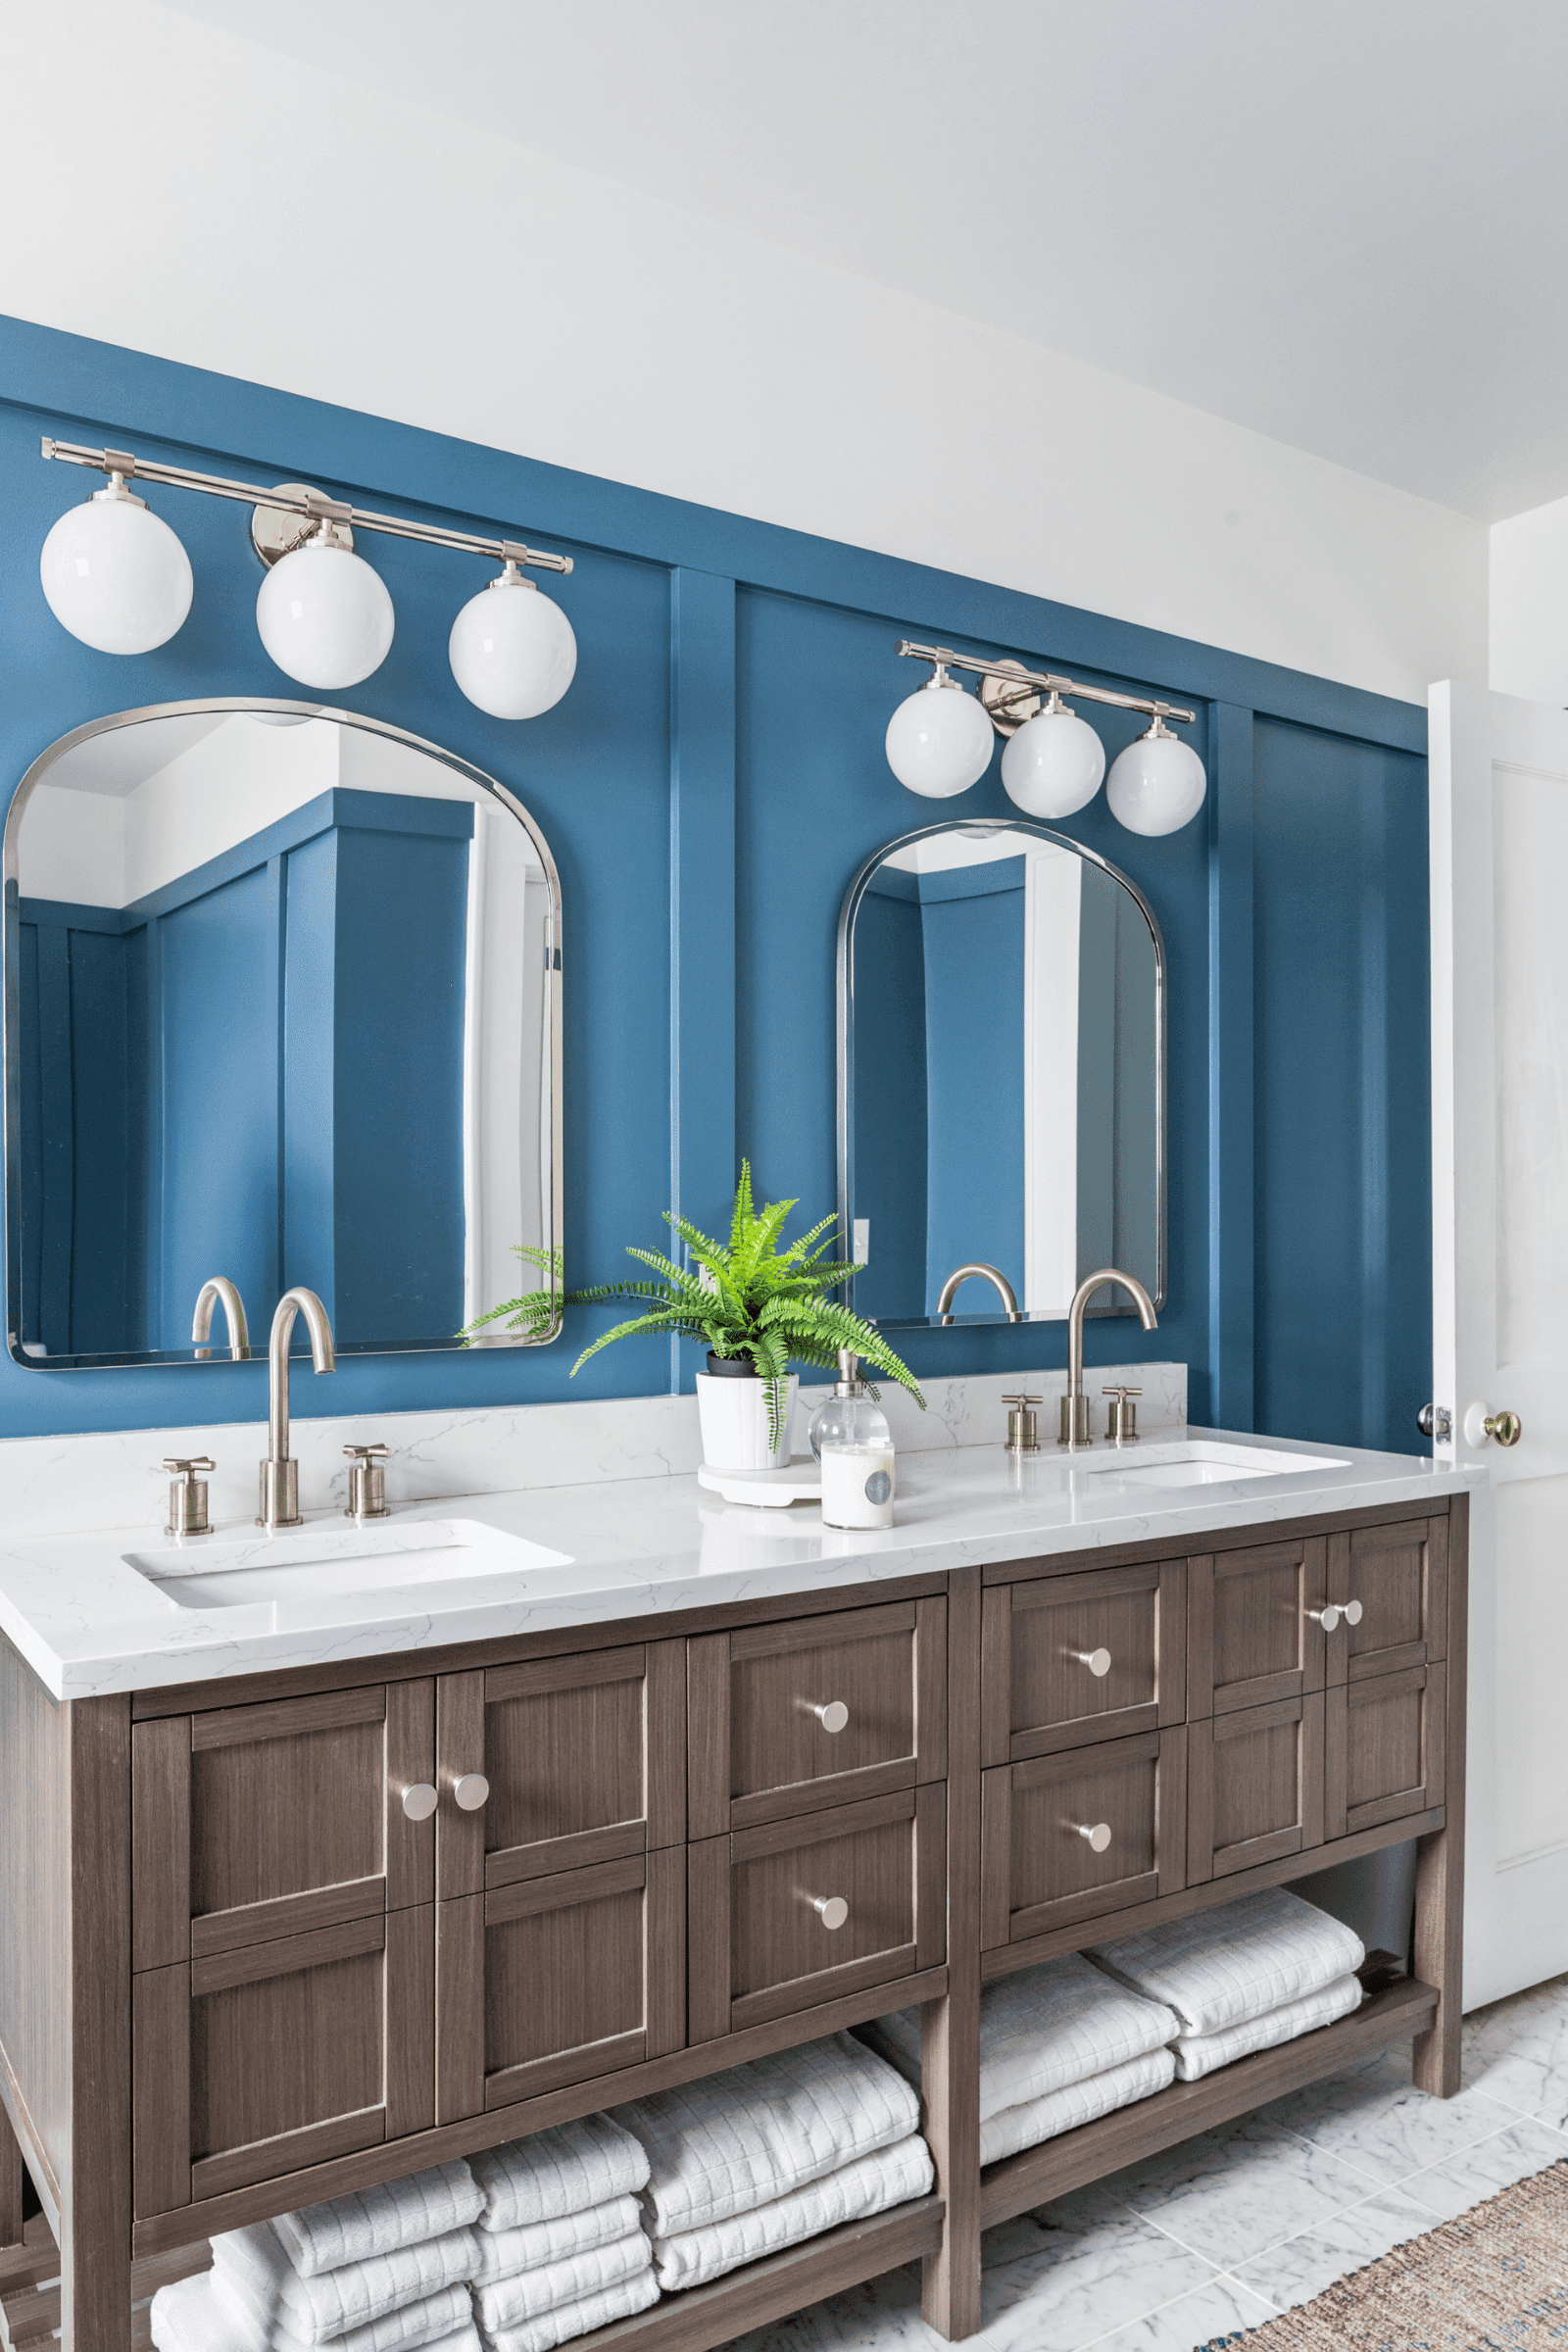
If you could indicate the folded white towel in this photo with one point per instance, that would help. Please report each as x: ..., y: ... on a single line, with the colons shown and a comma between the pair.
x: 564, y: 2170
x: 324, y: 2309
x: 502, y: 2252
x: 1041, y: 2029
x: 751, y: 2134
x: 377, y: 2220
x: 1201, y: 2053
x: 567, y: 2320
x: 1220, y: 1968
x: 1034, y: 2120
x: 503, y: 2303
x: 869, y: 2185
x: 201, y: 2315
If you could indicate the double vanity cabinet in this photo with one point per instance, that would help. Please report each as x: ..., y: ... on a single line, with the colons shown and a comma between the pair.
x: 279, y: 1935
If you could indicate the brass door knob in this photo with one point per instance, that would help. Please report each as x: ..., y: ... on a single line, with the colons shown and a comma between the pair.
x: 471, y: 1792
x: 1506, y: 1428
x: 419, y: 1802
x: 831, y: 1909
x: 1097, y: 1833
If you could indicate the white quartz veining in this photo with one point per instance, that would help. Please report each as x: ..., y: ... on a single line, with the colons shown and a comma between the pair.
x: 89, y: 1620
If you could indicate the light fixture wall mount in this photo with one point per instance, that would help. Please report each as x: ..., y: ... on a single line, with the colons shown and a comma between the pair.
x: 1012, y: 694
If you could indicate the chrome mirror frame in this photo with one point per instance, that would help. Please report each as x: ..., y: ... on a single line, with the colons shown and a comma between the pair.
x: 974, y: 827
x: 225, y: 704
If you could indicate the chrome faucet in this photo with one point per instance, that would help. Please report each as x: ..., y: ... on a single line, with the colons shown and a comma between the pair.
x: 1075, y: 1404
x: 201, y: 1322
x: 281, y: 1477
x: 990, y: 1274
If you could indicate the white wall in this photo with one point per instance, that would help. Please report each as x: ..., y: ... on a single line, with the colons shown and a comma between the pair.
x: 181, y: 192
x: 1530, y: 605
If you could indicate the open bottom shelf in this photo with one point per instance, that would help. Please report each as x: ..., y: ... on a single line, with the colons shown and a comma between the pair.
x: 697, y: 2320
x: 1035, y: 2176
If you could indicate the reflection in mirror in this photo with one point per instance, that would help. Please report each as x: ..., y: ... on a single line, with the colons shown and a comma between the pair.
x: 1001, y: 1076
x: 282, y: 1005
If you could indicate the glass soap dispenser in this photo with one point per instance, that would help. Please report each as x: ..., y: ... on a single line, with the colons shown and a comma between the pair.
x: 854, y: 1445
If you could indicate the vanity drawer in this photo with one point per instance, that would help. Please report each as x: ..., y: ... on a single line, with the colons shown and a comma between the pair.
x: 1255, y: 1786
x: 257, y: 1821
x: 791, y: 1913
x: 1384, y: 1742
x: 1069, y: 1837
x: 1068, y: 1660
x: 817, y: 1711
x: 1253, y: 1638
x: 1400, y: 1575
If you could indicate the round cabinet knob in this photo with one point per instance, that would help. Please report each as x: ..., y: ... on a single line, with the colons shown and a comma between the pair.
x: 1327, y: 1618
x: 1352, y: 1611
x: 419, y: 1802
x: 832, y: 1716
x: 471, y: 1792
x: 831, y: 1909
x: 1098, y: 1834
x: 1098, y: 1661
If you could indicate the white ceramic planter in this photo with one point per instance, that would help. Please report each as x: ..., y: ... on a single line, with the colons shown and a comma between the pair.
x: 734, y: 1422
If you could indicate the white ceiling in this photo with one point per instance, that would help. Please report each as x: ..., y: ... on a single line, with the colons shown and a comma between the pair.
x: 1343, y: 224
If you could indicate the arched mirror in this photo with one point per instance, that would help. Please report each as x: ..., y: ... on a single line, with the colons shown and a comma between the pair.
x: 1001, y: 1077
x: 282, y: 1003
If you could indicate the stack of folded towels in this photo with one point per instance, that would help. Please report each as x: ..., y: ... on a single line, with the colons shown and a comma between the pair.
x: 767, y: 2154
x: 385, y: 2270
x: 1253, y: 1974
x: 1060, y: 2044
x: 562, y: 2248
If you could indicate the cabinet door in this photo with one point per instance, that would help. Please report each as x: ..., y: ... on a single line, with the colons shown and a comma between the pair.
x: 259, y: 1822
x: 249, y: 2064
x: 789, y: 1914
x: 1071, y: 1837
x: 1072, y: 1659
x: 1255, y: 1786
x: 1383, y: 1748
x: 815, y: 1712
x: 1252, y: 1638
x: 560, y: 1946
x: 1400, y: 1575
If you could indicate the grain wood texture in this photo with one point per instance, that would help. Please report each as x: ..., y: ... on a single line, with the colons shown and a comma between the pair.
x: 871, y: 1623
x: 580, y: 2064
x: 161, y: 2058
x: 1051, y: 1873
x: 96, y: 2207
x: 285, y: 1955
x: 286, y: 1718
x: 866, y: 1659
x: 708, y: 1896
x: 407, y: 2091
x: 1386, y: 1749
x: 950, y: 2025
x: 665, y: 1733
x: 800, y: 1798
x: 459, y: 2010
x: 1439, y: 1936
x: 1399, y: 1573
x: 30, y: 2312
x: 553, y: 1855
x: 931, y: 1688
x: 581, y: 1671
x: 1252, y: 1638
x: 287, y: 2152
x: 408, y: 1846
x: 287, y: 1915
x: 780, y: 1947
x: 931, y: 1874
x: 565, y: 1978
x: 568, y: 1749
x: 299, y: 1807
x: 664, y: 1951
x: 1058, y: 2166
x: 181, y: 1698
x: 35, y: 1886
x: 160, y: 1841
x: 460, y: 1836
x: 468, y: 2133
x: 11, y: 2172
x: 1254, y: 1787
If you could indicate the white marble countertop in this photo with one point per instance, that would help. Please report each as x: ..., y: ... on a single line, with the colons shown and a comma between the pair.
x: 89, y: 1622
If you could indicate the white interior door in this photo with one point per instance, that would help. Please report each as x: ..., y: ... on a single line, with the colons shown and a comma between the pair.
x: 1498, y: 782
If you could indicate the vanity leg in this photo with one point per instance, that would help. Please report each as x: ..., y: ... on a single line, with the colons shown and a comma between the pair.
x: 1438, y: 1944
x: 949, y: 2028
x: 9, y: 2185
x: 95, y: 2204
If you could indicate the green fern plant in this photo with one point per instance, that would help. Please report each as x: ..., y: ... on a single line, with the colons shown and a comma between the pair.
x: 744, y: 1298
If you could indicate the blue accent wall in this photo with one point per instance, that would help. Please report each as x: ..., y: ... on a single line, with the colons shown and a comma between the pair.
x: 972, y: 919
x: 709, y: 786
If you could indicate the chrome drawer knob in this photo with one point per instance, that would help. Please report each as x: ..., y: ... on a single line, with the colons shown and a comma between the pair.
x: 1097, y: 1833
x: 1329, y: 1617
x: 419, y: 1802
x: 1098, y: 1661
x: 833, y: 1715
x: 831, y: 1909
x: 471, y: 1792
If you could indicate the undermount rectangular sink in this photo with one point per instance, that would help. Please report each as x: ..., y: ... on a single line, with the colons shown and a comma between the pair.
x: 1204, y: 1462
x: 322, y: 1562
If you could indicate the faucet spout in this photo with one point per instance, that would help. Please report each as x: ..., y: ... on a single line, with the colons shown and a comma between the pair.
x: 280, y: 1506
x: 990, y: 1274
x: 1075, y: 1405
x: 220, y: 1289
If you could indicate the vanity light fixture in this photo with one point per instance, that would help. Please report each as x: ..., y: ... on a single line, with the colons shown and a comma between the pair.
x: 324, y: 616
x: 1053, y: 760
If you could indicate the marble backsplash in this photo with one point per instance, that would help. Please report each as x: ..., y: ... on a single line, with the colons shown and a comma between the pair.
x: 56, y: 1486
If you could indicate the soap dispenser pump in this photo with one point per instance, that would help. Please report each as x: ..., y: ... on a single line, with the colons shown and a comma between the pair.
x: 853, y: 1445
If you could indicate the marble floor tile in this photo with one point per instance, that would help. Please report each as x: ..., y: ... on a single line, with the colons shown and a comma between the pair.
x: 1380, y: 2122
x: 1448, y: 2190
x: 1223, y: 2307
x: 1518, y: 2053
x: 1083, y: 2282
x: 1303, y: 2266
x: 883, y: 2314
x: 1232, y: 2193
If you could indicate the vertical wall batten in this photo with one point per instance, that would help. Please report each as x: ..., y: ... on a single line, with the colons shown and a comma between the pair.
x: 1231, y: 1173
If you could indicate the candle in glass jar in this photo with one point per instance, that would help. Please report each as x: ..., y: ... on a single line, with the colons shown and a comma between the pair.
x: 856, y: 1486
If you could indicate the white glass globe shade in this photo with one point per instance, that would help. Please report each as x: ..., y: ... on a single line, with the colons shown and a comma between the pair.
x: 939, y: 741
x: 115, y: 576
x: 512, y: 650
x: 324, y: 616
x: 1052, y: 764
x: 1157, y: 785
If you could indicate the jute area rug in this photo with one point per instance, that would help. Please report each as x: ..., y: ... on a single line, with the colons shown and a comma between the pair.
x: 1495, y: 2281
